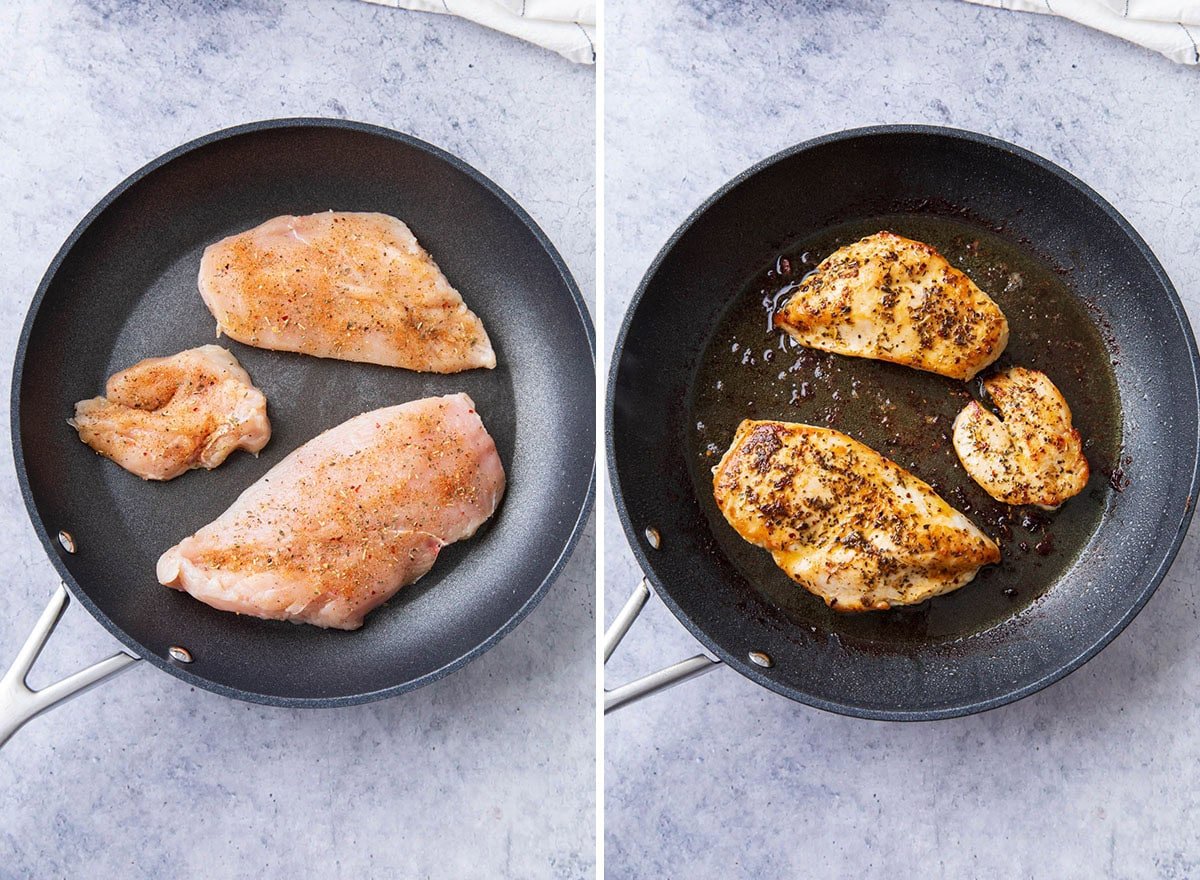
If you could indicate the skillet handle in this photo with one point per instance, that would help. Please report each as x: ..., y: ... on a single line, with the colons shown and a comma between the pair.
x: 647, y: 685
x: 18, y: 702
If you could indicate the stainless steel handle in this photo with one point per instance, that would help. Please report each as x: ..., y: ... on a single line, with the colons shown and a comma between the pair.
x: 650, y: 684
x: 19, y: 703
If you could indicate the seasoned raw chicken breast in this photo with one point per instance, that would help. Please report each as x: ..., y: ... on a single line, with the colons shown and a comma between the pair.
x: 894, y: 299
x: 341, y: 524
x: 1029, y: 454
x: 843, y: 521
x: 165, y: 415
x: 357, y: 287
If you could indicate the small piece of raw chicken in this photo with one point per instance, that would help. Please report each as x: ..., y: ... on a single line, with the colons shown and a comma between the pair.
x: 356, y: 287
x: 894, y: 299
x: 842, y: 521
x: 1030, y: 454
x: 342, y: 523
x: 166, y: 415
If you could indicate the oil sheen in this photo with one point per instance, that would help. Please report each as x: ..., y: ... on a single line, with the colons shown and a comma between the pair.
x: 750, y: 370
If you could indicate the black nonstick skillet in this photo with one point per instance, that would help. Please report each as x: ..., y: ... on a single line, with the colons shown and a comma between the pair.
x: 1087, y: 302
x: 123, y: 288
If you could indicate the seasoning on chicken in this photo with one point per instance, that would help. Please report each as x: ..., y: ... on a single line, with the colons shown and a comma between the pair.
x: 356, y: 287
x: 844, y: 522
x: 346, y: 520
x: 1030, y: 453
x: 164, y: 416
x: 894, y: 299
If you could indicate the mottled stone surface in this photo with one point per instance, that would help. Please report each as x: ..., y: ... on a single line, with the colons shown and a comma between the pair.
x: 487, y: 773
x: 1094, y: 777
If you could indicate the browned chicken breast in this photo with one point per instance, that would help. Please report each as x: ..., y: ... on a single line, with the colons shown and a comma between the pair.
x: 356, y: 287
x: 166, y: 415
x: 894, y: 299
x: 843, y: 521
x: 1029, y: 454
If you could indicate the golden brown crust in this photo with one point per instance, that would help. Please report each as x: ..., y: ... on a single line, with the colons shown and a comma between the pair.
x: 1030, y: 453
x: 894, y: 299
x: 843, y: 521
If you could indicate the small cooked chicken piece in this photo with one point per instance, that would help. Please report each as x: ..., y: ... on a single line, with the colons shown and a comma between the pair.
x: 894, y: 299
x: 842, y: 521
x: 356, y: 287
x: 346, y: 520
x: 1030, y: 453
x: 166, y: 415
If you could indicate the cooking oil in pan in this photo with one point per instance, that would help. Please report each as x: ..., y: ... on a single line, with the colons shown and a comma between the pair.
x: 750, y: 370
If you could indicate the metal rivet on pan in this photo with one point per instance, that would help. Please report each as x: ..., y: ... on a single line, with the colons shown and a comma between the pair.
x: 653, y: 537
x: 761, y: 659
x: 183, y: 655
x: 68, y: 543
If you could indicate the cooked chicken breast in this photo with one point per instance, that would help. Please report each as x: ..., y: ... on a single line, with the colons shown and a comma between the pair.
x: 894, y: 299
x: 842, y: 521
x: 341, y: 524
x: 1029, y: 454
x: 166, y: 415
x: 357, y: 287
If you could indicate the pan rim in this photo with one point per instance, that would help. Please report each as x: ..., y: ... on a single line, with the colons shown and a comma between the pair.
x: 49, y: 544
x: 740, y: 664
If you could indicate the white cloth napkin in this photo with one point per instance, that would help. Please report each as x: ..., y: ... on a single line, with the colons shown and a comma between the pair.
x: 568, y: 27
x: 1172, y: 28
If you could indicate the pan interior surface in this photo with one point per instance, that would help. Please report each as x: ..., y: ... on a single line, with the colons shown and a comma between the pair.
x: 125, y: 288
x: 1115, y: 339
x: 750, y: 370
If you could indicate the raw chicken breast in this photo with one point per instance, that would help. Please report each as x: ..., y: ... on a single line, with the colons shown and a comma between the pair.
x: 844, y: 522
x: 165, y: 415
x: 894, y: 299
x: 357, y: 287
x: 1029, y: 454
x: 341, y: 524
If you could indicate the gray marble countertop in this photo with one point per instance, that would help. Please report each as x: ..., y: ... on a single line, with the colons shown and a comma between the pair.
x: 486, y: 773
x: 1094, y: 777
